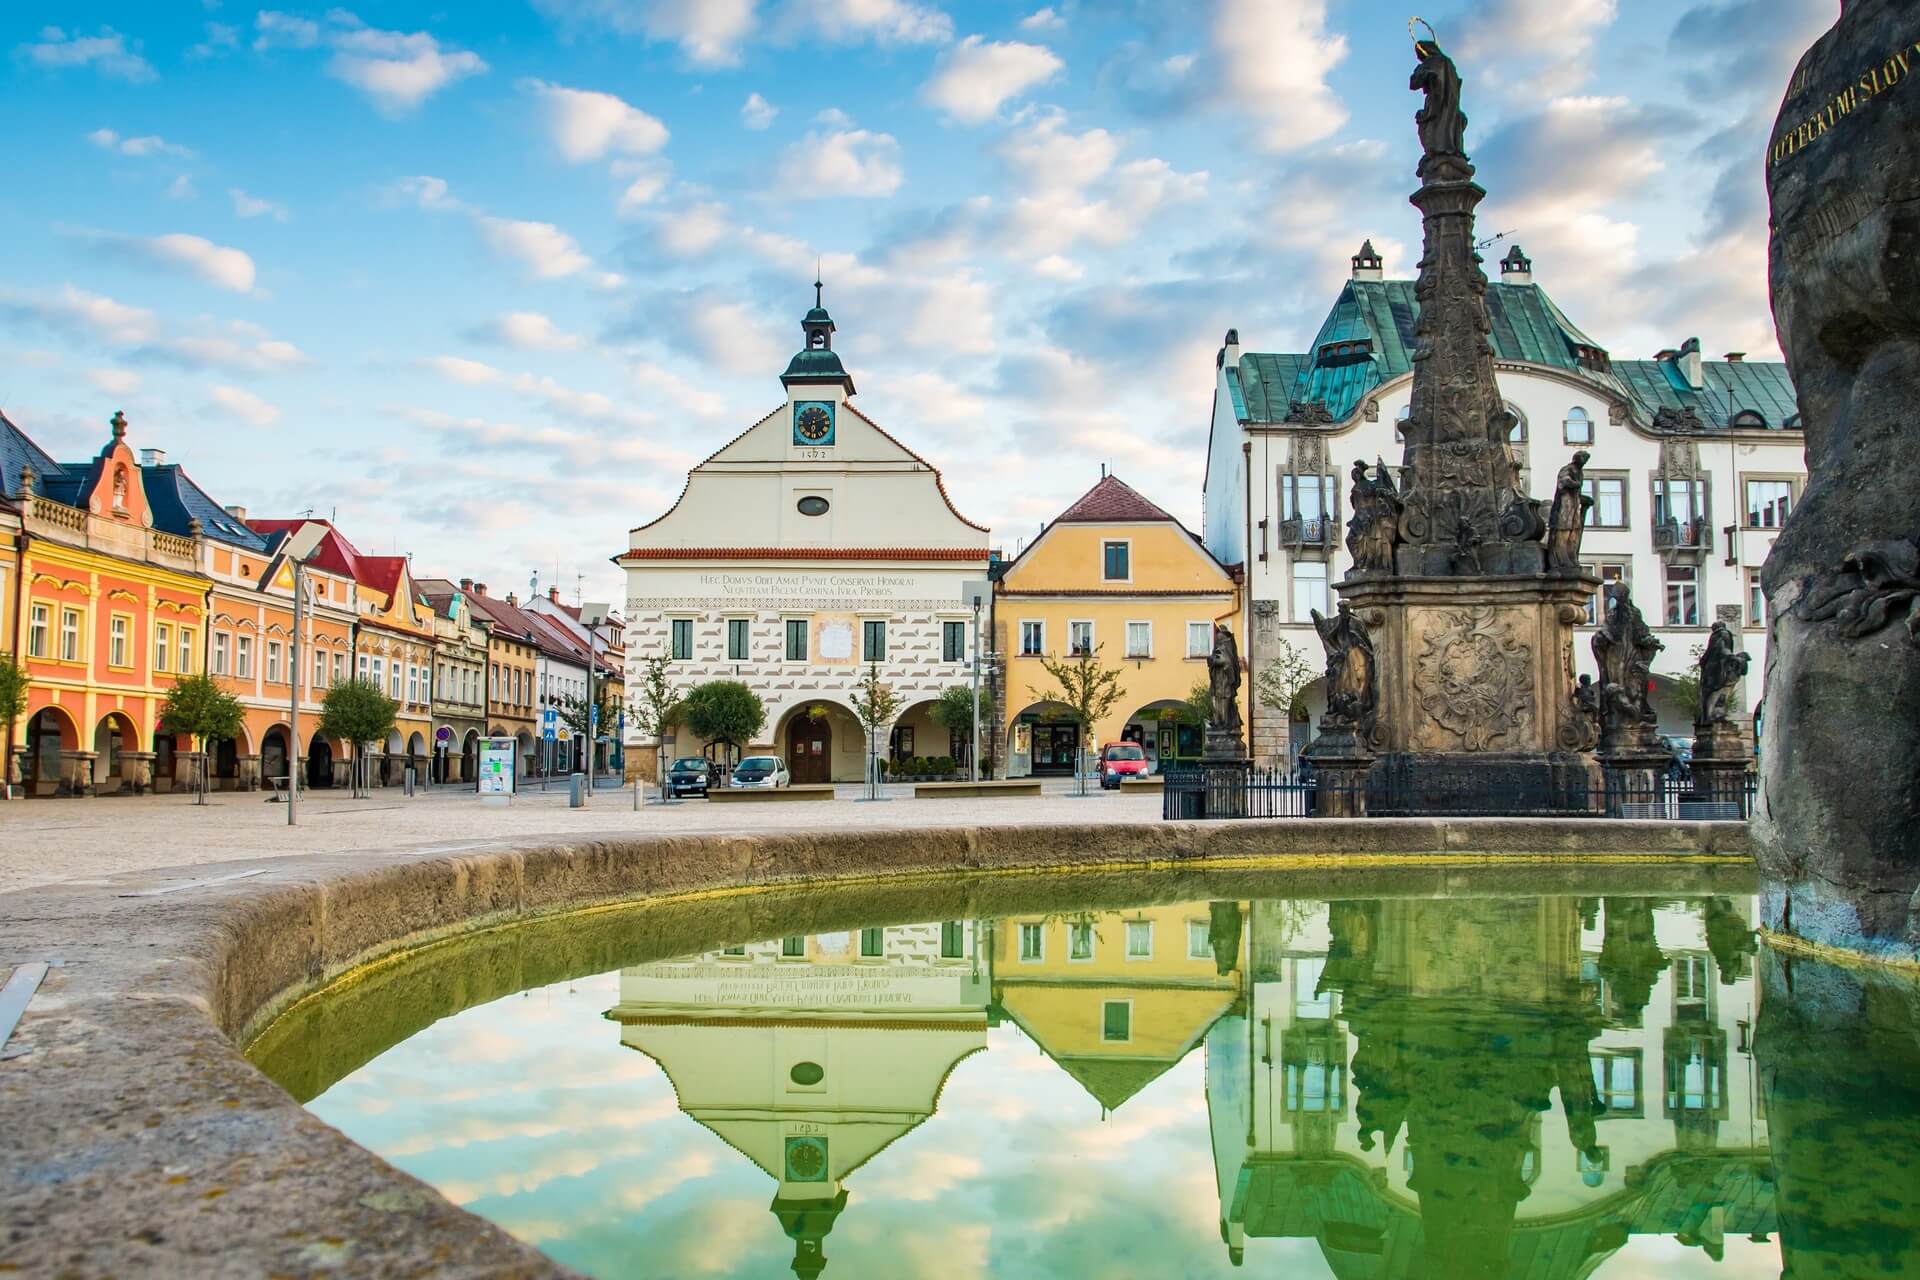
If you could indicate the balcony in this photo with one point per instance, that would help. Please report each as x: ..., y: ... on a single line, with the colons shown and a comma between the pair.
x: 1311, y: 536
x: 1683, y: 539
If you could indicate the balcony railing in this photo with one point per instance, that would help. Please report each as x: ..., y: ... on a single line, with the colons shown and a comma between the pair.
x: 1307, y: 531
x: 1682, y: 535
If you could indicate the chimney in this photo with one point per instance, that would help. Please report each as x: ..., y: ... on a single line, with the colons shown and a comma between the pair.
x: 513, y: 601
x: 480, y: 588
x: 1689, y: 362
x: 1735, y: 357
x: 1229, y: 350
x: 238, y: 513
x: 553, y: 594
x: 1366, y: 263
x: 466, y: 585
x: 1516, y: 267
x: 153, y: 457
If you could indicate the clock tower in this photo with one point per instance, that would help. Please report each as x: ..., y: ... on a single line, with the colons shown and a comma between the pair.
x: 817, y: 383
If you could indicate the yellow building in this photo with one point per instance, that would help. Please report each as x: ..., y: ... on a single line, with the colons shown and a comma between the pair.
x: 1115, y: 575
x: 1118, y: 997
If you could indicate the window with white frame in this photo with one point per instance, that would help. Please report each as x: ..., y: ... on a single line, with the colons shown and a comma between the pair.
x: 219, y: 653
x: 1199, y: 639
x: 1609, y: 494
x: 119, y: 651
x: 1139, y: 639
x: 1768, y: 502
x: 1079, y: 638
x: 681, y: 630
x: 243, y: 657
x: 413, y: 683
x: 39, y: 625
x: 1309, y: 497
x: 1116, y: 561
x: 1080, y: 940
x: 1578, y: 427
x: 737, y: 629
x: 162, y: 647
x: 69, y: 635
x: 953, y: 642
x: 1033, y: 943
x: 1033, y: 638
x: 319, y: 669
x: 339, y: 667
x: 1139, y: 939
x: 273, y: 662
x: 1756, y: 600
x: 873, y: 640
x: 1609, y: 572
x: 796, y: 639
x: 1199, y: 940
x: 1683, y: 595
x: 1116, y: 1021
x: 393, y: 680
x: 186, y: 651
x: 1309, y: 589
x: 1682, y: 502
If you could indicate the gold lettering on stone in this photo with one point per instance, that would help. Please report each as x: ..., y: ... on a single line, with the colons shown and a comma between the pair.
x: 1873, y: 82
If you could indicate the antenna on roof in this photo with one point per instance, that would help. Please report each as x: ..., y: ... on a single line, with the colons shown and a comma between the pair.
x: 1103, y: 471
x: 1494, y: 239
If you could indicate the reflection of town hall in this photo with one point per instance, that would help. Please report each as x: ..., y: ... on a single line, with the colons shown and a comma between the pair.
x: 807, y: 548
x: 1695, y: 465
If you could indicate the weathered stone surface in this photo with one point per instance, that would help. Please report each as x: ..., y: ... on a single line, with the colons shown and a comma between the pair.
x: 1838, y: 827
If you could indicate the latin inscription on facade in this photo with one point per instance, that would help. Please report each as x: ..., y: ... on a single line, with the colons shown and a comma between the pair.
x: 1865, y: 90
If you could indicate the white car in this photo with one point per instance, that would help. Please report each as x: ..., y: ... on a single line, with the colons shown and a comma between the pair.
x: 762, y: 771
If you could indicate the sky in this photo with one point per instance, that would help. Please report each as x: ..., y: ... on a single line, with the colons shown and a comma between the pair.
x: 482, y: 281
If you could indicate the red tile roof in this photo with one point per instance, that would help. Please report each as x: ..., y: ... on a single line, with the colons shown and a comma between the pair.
x: 1111, y: 499
x: 965, y: 555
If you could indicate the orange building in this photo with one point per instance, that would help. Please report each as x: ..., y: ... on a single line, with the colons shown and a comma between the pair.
x: 109, y: 610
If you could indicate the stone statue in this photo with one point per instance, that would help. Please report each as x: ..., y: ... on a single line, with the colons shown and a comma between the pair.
x: 1721, y: 668
x: 1443, y: 125
x: 1586, y: 724
x: 1374, y: 526
x: 1223, y: 684
x: 1351, y: 698
x: 1569, y: 519
x: 1623, y: 648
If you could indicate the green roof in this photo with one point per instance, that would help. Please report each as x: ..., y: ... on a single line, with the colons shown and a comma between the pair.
x: 1367, y: 339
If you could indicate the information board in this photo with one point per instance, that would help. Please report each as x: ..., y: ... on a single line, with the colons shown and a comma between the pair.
x: 496, y: 767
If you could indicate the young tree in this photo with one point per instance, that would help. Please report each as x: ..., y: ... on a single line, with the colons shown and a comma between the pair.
x: 1279, y: 682
x: 874, y: 704
x: 726, y: 712
x: 1089, y: 689
x: 357, y: 711
x: 573, y: 714
x: 953, y: 711
x: 13, y: 705
x: 656, y: 706
x: 199, y: 707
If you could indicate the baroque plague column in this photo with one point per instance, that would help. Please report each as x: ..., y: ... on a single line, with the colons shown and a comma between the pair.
x: 1465, y: 591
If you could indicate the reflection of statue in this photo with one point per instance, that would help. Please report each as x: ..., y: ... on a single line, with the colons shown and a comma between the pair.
x: 1223, y: 684
x: 1721, y: 668
x: 1350, y: 668
x: 1630, y: 956
x: 1623, y: 648
x: 1374, y: 527
x: 1569, y: 520
x: 1443, y: 125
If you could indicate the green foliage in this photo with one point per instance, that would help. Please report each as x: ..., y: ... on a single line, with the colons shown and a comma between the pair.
x: 13, y: 688
x: 875, y: 703
x: 953, y: 709
x: 199, y: 707
x: 725, y: 711
x: 1197, y: 707
x: 1280, y: 680
x: 1682, y: 687
x: 654, y: 704
x: 573, y: 712
x: 1086, y: 686
x: 357, y: 711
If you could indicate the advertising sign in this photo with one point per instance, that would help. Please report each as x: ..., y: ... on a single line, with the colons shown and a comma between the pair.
x: 496, y: 767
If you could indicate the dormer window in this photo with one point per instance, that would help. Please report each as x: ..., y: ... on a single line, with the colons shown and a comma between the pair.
x: 1748, y: 419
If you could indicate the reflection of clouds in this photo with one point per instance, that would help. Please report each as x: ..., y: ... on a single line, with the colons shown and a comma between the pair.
x: 927, y: 1175
x: 691, y: 1168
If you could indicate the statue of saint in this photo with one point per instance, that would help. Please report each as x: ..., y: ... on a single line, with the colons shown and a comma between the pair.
x: 1569, y: 519
x: 1374, y: 527
x: 1721, y: 667
x: 1443, y: 125
x: 1350, y: 667
x: 1223, y: 683
x: 1623, y: 649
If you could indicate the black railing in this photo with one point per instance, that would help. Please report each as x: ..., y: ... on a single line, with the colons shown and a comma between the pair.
x: 1191, y: 794
x: 1681, y: 535
x: 1307, y: 531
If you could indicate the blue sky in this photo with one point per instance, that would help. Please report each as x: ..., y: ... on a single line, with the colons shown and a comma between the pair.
x: 484, y: 280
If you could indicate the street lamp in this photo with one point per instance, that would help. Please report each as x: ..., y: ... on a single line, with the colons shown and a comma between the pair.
x: 297, y: 549
x: 976, y: 592
x: 591, y: 616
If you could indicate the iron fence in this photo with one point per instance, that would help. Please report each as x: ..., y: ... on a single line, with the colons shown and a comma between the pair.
x: 1296, y: 793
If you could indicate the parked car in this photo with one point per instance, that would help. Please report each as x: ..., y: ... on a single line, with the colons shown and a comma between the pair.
x: 1682, y: 750
x: 687, y: 777
x: 1121, y: 760
x: 762, y: 771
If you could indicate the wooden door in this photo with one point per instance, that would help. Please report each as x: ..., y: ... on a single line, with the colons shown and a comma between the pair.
x: 810, y: 749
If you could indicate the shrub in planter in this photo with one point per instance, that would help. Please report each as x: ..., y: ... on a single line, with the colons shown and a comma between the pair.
x: 943, y: 765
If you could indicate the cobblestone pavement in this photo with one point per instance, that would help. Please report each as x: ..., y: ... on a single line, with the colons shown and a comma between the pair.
x: 46, y: 841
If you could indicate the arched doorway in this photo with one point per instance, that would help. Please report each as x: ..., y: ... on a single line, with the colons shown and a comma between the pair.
x: 524, y: 755
x: 416, y: 758
x: 1167, y: 731
x: 319, y: 763
x: 48, y: 734
x: 470, y: 757
x: 114, y: 735
x: 226, y: 764
x: 809, y: 745
x: 1044, y: 741
x: 273, y: 757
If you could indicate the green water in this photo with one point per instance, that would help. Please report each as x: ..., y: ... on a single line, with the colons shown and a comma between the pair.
x: 1430, y: 1075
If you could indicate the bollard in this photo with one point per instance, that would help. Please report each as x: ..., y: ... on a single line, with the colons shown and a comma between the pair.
x: 576, y: 791
x: 407, y: 783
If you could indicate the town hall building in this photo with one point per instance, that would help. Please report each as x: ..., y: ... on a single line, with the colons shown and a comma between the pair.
x: 808, y: 547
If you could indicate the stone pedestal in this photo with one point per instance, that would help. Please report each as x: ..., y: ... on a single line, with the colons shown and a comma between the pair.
x: 1633, y: 762
x: 342, y: 772
x: 249, y: 779
x: 76, y: 773
x: 1341, y: 764
x: 1721, y: 762
x: 1475, y: 681
x: 190, y: 768
x: 136, y: 767
x: 1226, y: 783
x: 17, y: 770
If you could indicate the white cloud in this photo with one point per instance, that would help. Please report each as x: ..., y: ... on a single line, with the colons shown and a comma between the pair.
x: 89, y: 317
x: 107, y: 53
x: 244, y: 405
x: 1042, y: 20
x: 1560, y: 34
x: 221, y: 38
x: 587, y: 125
x: 274, y: 30
x: 693, y: 230
x: 1070, y: 187
x: 756, y: 112
x: 709, y: 32
x: 888, y: 21
x: 833, y: 117
x: 218, y: 265
x: 1055, y: 267
x: 397, y: 70
x: 850, y: 162
x: 645, y: 182
x: 977, y: 76
x: 181, y: 188
x: 543, y: 250
x: 246, y: 206
x: 470, y: 373
x: 426, y: 191
x: 82, y: 314
x: 1274, y: 57
x: 147, y: 145
x: 528, y: 331
x: 218, y: 351
x: 114, y: 382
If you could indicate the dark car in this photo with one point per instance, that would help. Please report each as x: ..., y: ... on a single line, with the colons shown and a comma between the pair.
x: 687, y: 777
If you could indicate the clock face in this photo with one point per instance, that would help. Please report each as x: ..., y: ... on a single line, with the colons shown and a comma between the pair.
x: 813, y: 423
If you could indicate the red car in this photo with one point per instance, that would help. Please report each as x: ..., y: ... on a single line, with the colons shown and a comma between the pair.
x: 1121, y: 760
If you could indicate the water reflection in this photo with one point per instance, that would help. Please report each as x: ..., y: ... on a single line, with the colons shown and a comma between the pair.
x: 1390, y: 1087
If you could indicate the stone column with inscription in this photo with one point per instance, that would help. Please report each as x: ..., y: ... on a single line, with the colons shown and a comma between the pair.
x: 1835, y: 832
